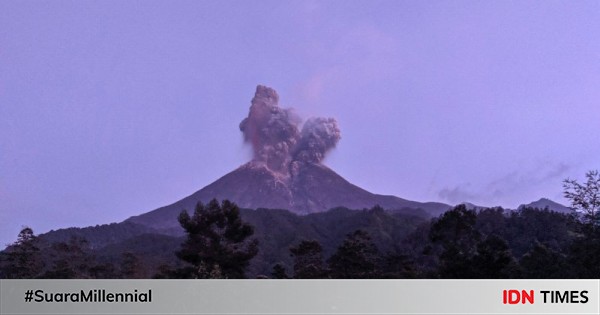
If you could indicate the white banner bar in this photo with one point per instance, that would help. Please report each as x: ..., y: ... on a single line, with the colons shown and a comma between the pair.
x: 299, y: 296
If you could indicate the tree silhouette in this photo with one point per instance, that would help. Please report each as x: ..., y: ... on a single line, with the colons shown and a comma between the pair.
x: 494, y: 260
x: 308, y: 260
x: 584, y: 255
x: 69, y: 260
x: 455, y: 232
x: 279, y: 272
x: 585, y: 197
x: 22, y: 258
x: 132, y: 266
x: 542, y: 262
x: 356, y: 258
x: 585, y: 250
x: 217, y: 244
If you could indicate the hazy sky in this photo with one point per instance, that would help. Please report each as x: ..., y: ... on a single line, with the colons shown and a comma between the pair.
x: 109, y: 109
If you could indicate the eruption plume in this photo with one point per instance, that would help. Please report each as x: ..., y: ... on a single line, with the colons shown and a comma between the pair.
x: 285, y: 171
x: 275, y: 135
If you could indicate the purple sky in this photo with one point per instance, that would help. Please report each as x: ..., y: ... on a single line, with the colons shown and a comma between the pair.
x: 109, y: 109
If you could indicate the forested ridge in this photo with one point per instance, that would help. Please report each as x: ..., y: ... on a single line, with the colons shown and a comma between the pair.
x: 461, y: 243
x: 220, y: 240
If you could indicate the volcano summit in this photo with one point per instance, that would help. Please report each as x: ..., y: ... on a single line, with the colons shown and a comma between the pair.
x: 286, y: 170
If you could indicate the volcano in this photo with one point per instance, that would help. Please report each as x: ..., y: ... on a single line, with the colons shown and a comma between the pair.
x: 286, y: 171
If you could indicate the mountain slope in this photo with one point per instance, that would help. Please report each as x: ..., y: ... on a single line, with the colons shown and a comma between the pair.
x: 315, y: 188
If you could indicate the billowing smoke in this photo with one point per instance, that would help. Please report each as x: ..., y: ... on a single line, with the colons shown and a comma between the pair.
x: 272, y: 131
x: 319, y: 135
x: 275, y: 135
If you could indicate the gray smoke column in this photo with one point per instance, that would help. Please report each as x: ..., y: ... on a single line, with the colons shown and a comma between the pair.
x: 272, y: 131
x: 275, y: 136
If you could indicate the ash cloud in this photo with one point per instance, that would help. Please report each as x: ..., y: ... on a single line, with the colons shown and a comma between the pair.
x: 319, y: 135
x: 279, y: 138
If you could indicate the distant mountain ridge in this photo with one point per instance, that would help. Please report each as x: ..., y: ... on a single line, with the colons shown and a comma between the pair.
x: 547, y: 203
x: 471, y: 206
x: 541, y: 204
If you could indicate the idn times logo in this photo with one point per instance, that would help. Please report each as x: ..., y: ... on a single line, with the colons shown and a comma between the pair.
x: 548, y: 297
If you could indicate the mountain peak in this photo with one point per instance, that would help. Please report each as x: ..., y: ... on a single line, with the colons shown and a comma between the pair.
x: 543, y: 203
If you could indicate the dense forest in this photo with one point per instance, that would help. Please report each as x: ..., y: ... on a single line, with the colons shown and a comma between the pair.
x: 219, y: 240
x: 341, y: 243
